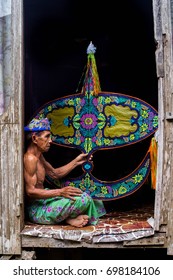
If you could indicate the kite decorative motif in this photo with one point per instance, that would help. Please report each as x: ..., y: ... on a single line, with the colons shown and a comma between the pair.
x: 94, y: 120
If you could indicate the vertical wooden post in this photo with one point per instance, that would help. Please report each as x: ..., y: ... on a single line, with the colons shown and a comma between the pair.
x: 164, y: 62
x: 169, y: 119
x: 11, y: 145
x: 160, y: 74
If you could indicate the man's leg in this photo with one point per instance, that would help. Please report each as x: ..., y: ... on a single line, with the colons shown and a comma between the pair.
x: 56, y: 210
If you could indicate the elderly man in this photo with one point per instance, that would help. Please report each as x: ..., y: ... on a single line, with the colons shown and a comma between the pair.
x: 52, y: 206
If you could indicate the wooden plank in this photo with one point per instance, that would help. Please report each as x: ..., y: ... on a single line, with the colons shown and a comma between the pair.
x: 0, y: 201
x: 158, y: 38
x: 163, y: 36
x: 10, y: 187
x: 158, y: 240
x: 11, y: 146
x: 167, y: 193
x: 160, y: 153
x: 157, y: 19
x: 157, y: 14
x: 155, y: 241
x: 6, y: 257
x: 170, y: 205
x: 44, y: 242
x: 26, y: 255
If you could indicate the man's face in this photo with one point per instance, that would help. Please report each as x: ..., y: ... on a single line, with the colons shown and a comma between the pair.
x: 43, y: 140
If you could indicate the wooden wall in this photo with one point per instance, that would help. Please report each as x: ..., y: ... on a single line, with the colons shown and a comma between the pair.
x: 11, y: 146
x: 164, y: 62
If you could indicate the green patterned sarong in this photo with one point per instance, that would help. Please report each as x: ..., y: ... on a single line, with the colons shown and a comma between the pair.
x: 57, y: 209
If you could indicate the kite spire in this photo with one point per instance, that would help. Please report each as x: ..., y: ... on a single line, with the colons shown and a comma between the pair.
x: 91, y: 82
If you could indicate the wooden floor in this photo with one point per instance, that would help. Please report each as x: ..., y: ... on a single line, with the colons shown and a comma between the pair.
x: 117, y: 229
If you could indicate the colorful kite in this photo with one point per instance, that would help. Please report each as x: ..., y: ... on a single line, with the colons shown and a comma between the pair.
x: 94, y: 120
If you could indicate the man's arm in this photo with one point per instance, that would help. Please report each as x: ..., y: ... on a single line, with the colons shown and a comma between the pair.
x: 60, y: 172
x: 30, y: 175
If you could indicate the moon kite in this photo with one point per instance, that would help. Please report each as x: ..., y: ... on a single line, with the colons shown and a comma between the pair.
x: 94, y: 120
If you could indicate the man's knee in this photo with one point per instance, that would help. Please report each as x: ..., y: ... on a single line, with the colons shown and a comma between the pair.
x: 86, y: 198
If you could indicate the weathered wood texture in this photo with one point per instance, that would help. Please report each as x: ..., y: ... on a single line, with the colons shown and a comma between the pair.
x: 11, y: 147
x: 164, y: 62
x: 43, y: 242
x: 158, y: 240
x: 157, y: 19
x: 170, y: 131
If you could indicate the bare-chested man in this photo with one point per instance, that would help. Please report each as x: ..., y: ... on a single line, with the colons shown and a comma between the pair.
x: 52, y: 206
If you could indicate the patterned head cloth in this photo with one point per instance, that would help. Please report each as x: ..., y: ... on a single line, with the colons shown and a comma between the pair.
x: 38, y: 125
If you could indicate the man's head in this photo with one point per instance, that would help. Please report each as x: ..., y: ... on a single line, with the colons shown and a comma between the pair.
x: 38, y: 133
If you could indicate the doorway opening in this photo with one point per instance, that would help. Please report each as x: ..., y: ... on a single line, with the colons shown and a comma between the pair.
x: 57, y: 34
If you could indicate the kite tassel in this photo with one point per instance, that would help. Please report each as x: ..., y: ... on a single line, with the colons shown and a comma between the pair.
x: 153, y: 157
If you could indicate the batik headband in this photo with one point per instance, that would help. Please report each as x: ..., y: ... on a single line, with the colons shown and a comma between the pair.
x: 38, y: 125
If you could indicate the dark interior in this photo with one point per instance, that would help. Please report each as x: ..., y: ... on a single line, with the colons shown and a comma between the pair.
x: 57, y: 34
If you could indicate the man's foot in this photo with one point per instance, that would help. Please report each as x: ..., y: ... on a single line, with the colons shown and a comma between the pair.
x: 79, y: 221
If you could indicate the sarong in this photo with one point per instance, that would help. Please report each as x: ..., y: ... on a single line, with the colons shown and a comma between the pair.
x: 55, y: 210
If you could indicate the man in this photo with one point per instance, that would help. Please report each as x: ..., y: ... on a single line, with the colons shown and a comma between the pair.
x: 52, y: 206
